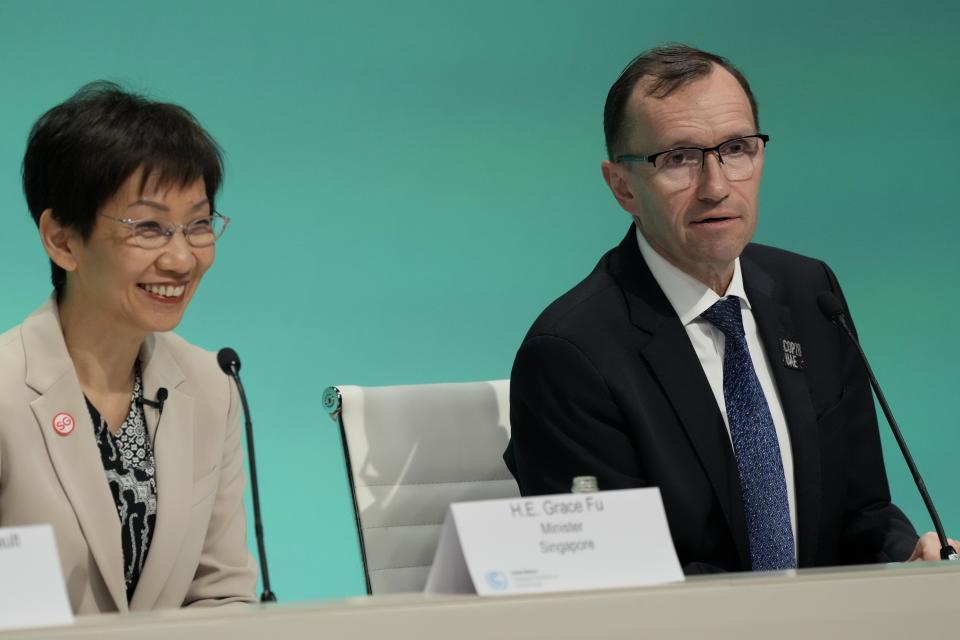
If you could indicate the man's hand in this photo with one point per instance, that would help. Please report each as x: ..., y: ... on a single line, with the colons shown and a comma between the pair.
x: 928, y: 547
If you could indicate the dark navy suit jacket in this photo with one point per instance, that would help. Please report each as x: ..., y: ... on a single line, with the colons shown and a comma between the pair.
x: 606, y: 383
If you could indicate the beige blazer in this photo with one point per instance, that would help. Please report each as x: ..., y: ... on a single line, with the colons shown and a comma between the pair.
x: 198, y: 554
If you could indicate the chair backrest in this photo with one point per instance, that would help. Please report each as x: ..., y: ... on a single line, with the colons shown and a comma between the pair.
x: 412, y: 450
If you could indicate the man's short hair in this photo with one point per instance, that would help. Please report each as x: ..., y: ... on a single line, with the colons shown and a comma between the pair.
x: 80, y: 153
x: 671, y: 66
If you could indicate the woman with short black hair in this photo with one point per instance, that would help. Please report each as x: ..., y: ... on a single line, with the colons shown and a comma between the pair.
x: 118, y: 433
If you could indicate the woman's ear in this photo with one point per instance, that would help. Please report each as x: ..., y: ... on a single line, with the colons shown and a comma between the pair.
x: 58, y: 241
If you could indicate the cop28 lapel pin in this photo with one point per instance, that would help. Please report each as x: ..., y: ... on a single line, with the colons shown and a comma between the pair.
x: 792, y: 354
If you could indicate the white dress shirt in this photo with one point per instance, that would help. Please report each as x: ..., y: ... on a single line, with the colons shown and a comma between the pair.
x: 689, y: 298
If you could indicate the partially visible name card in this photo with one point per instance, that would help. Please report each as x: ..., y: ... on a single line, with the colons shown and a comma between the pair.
x: 563, y: 542
x: 32, y: 592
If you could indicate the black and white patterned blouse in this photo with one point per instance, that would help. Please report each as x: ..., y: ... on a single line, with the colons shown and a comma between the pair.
x: 129, y: 465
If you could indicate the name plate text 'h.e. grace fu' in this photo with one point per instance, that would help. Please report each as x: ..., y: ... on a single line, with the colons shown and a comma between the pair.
x: 562, y: 542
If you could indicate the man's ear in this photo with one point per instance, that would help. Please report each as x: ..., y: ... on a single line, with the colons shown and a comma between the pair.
x: 58, y: 241
x: 616, y: 177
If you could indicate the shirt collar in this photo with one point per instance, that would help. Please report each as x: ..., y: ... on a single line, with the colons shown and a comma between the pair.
x: 688, y: 296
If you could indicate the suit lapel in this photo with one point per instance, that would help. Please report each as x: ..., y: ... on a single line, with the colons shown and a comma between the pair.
x: 173, y: 453
x: 75, y: 457
x: 675, y: 364
x: 775, y: 322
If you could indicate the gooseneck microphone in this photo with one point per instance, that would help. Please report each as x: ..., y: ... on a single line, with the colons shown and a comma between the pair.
x: 229, y: 362
x: 833, y: 310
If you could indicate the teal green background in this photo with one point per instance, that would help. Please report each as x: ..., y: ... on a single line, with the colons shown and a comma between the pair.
x: 412, y: 182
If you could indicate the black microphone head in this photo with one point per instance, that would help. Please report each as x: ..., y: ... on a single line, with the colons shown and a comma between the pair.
x: 162, y: 395
x: 829, y: 305
x: 228, y: 360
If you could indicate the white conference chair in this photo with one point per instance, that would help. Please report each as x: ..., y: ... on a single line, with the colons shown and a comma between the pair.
x: 412, y: 450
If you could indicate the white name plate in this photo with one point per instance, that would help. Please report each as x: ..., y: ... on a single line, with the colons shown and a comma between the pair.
x: 563, y: 542
x: 32, y: 592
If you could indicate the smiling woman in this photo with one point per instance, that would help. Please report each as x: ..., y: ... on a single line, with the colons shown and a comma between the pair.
x: 122, y: 190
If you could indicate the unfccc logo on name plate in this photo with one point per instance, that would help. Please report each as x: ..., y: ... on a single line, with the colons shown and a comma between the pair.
x: 497, y: 580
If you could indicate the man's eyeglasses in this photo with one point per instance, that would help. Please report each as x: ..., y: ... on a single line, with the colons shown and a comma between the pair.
x: 154, y: 234
x: 680, y: 167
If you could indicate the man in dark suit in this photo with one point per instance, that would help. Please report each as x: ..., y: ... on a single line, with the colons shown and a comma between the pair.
x: 696, y: 362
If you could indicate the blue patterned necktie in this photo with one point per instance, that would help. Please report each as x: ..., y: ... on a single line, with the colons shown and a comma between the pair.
x: 763, y: 487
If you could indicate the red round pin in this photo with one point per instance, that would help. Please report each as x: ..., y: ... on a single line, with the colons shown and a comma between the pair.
x: 63, y: 423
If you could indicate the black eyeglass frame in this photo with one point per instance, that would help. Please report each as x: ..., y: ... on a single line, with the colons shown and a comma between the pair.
x: 652, y: 159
